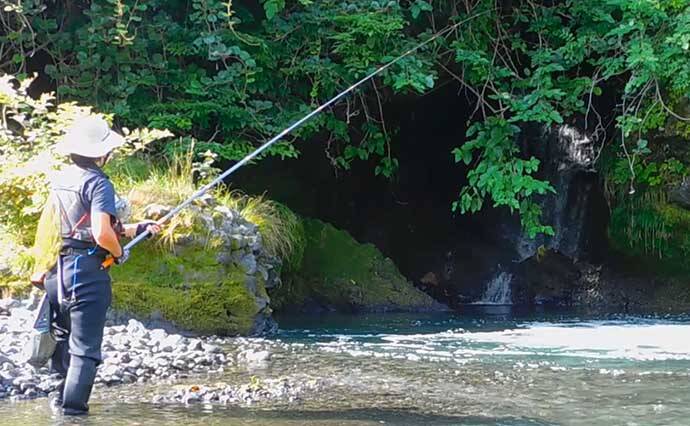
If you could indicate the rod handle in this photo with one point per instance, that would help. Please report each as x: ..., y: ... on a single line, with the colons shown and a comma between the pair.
x: 108, y: 262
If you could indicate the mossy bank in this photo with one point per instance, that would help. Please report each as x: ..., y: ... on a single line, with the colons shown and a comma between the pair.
x: 339, y: 274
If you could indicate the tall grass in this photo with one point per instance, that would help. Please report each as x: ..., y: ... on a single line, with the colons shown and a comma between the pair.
x: 281, y: 230
x: 168, y: 185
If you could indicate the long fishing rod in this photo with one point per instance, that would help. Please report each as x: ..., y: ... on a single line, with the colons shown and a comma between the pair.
x: 109, y: 261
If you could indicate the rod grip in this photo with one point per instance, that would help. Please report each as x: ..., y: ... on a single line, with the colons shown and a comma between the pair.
x: 108, y: 262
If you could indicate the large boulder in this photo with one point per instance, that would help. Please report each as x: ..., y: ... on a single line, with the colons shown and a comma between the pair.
x: 211, y: 279
x: 340, y: 274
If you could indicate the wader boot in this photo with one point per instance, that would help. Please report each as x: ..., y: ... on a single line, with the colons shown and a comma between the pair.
x: 78, y: 385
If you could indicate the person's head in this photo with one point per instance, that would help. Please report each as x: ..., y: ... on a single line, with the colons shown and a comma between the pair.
x: 89, y: 142
x: 87, y: 162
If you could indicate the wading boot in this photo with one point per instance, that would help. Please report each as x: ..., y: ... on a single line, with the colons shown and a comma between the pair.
x: 78, y: 384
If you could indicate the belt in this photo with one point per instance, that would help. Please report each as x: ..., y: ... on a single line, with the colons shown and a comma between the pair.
x: 71, y: 251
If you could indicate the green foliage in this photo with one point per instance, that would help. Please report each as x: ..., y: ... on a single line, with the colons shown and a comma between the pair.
x: 29, y: 128
x: 172, y: 182
x: 232, y: 74
x: 226, y: 75
x: 543, y: 63
x: 647, y: 226
x: 648, y: 174
x: 644, y: 225
x: 500, y: 175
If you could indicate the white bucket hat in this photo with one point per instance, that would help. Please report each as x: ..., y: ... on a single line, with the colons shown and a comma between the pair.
x: 89, y: 136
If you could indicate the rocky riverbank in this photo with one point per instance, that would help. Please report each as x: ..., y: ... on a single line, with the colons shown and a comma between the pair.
x: 133, y: 353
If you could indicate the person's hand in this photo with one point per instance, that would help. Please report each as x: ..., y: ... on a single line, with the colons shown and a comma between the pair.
x: 123, y: 258
x: 152, y: 227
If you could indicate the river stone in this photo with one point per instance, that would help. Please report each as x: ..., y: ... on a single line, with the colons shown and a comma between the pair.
x: 156, y: 211
x: 32, y: 301
x: 162, y: 362
x: 134, y: 364
x: 247, y: 228
x: 251, y: 356
x: 254, y: 243
x: 116, y: 330
x: 248, y: 264
x: 26, y: 385
x: 194, y: 345
x: 8, y: 304
x: 5, y: 360
x: 680, y: 194
x: 205, y: 200
x: 7, y: 377
x: 171, y: 342
x: 136, y: 328
x: 111, y: 370
x: 156, y: 337
x: 209, y: 348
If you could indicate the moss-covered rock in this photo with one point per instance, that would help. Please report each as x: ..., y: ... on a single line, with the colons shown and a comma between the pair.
x: 189, y: 288
x: 338, y: 273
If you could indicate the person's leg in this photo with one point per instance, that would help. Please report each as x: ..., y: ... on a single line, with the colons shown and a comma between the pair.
x: 59, y: 362
x: 78, y: 385
x: 87, y: 319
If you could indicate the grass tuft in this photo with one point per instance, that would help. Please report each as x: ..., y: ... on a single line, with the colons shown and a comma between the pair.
x: 281, y: 230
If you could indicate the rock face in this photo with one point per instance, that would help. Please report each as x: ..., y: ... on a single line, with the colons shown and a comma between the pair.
x: 212, y: 280
x: 680, y: 194
x: 340, y: 274
x: 567, y: 157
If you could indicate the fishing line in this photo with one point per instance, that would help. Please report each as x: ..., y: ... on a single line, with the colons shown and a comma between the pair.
x: 108, y: 262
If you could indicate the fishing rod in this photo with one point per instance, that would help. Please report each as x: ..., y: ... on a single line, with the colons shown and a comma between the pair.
x: 136, y: 240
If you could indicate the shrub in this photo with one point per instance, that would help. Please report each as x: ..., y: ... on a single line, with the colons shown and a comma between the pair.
x: 29, y: 128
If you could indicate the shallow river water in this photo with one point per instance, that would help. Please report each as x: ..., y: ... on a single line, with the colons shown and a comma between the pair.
x: 479, y: 368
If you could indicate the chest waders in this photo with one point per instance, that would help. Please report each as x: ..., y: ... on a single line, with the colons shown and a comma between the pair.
x: 80, y: 293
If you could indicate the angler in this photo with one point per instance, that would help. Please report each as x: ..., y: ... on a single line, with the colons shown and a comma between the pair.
x: 80, y: 217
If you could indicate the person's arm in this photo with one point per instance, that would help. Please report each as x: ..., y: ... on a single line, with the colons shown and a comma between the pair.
x: 102, y: 199
x: 104, y: 234
x: 133, y: 229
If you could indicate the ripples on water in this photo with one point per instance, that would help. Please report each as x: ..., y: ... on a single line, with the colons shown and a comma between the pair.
x: 418, y: 370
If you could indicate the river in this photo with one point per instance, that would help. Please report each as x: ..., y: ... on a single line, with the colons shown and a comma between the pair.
x: 483, y: 367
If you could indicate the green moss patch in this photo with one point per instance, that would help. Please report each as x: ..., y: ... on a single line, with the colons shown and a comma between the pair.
x: 339, y: 273
x: 188, y: 288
